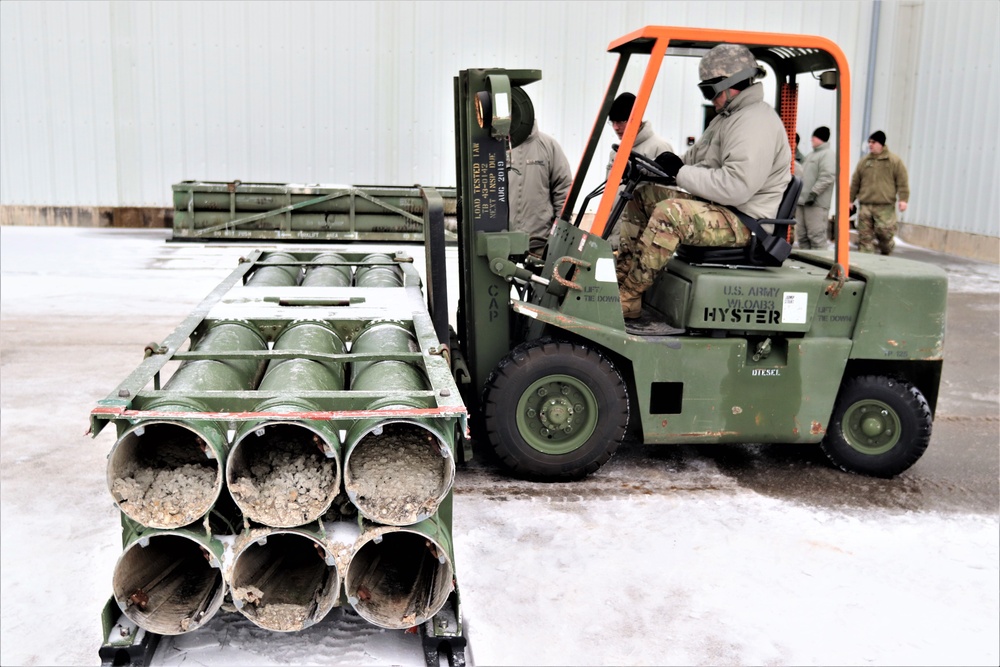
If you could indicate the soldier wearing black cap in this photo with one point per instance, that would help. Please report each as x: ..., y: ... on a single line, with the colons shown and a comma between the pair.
x: 647, y: 143
x: 879, y: 180
x: 819, y: 172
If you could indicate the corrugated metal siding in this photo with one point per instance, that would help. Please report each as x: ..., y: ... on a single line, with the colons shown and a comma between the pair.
x: 109, y: 103
x: 57, y: 129
x: 954, y: 161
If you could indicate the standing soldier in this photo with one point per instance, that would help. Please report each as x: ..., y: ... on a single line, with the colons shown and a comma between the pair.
x: 539, y: 182
x: 879, y: 180
x: 819, y: 173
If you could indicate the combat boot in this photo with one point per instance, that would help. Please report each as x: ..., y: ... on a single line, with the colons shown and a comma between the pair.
x: 624, y: 261
x: 630, y: 293
x: 623, y: 265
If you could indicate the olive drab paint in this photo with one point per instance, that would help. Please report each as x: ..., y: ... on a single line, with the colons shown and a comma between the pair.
x: 278, y: 385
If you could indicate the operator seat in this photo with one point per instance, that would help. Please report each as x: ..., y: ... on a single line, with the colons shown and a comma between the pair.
x: 747, y: 255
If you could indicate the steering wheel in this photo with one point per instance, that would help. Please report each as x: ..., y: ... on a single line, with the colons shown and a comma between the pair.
x: 647, y: 165
x: 650, y: 166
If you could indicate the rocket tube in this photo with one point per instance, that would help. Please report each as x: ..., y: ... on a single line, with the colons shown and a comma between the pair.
x: 166, y: 473
x: 170, y: 582
x: 397, y: 471
x: 286, y: 473
x: 275, y: 276
x: 284, y: 579
x: 326, y: 272
x: 381, y: 336
x: 400, y: 577
x: 378, y: 275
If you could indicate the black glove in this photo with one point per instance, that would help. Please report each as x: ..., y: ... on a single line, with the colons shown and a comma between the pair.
x: 811, y: 199
x: 669, y: 163
x: 854, y: 209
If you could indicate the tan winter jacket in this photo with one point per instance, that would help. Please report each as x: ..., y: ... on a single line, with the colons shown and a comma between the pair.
x: 880, y: 179
x: 539, y: 182
x: 819, y: 172
x: 743, y: 158
x: 647, y: 144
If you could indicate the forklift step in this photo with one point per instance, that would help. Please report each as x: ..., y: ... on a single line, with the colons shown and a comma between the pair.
x: 651, y: 323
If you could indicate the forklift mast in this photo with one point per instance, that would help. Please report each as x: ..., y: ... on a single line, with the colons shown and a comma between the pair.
x: 484, y: 112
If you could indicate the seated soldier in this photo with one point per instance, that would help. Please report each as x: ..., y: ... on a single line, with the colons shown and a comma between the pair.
x: 742, y: 160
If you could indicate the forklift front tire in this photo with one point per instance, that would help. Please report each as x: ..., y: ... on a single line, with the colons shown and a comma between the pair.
x: 555, y: 411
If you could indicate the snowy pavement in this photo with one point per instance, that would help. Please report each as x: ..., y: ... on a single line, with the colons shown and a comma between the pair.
x: 648, y: 563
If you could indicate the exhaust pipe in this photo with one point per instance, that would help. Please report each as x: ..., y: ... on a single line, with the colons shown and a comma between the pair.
x: 168, y: 473
x: 170, y: 582
x: 400, y: 577
x: 287, y: 473
x: 284, y: 580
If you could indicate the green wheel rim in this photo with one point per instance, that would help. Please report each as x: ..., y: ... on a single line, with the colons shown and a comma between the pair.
x: 871, y: 427
x: 557, y: 414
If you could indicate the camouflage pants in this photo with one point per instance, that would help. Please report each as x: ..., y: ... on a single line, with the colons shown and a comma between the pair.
x: 660, y: 218
x: 877, y: 222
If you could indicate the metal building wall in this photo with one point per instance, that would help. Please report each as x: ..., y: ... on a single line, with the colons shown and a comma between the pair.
x: 951, y: 149
x: 109, y: 103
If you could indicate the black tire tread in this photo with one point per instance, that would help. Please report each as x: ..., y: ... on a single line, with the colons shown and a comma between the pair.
x: 902, y: 456
x: 534, y: 352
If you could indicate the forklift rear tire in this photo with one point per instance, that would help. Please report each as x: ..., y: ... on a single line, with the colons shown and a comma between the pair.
x: 555, y: 411
x: 880, y: 426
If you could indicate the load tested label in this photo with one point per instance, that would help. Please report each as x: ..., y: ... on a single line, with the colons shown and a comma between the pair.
x: 794, y: 307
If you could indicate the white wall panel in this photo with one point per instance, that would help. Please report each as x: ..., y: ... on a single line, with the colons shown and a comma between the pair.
x: 57, y: 133
x: 954, y: 161
x: 109, y: 103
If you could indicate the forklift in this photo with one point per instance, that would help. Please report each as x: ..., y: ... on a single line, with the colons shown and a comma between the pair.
x: 762, y: 344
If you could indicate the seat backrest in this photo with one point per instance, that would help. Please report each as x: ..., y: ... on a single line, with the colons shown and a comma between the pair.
x: 786, y: 209
x: 747, y: 256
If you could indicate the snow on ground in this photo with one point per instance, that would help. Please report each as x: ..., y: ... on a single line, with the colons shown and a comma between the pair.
x: 693, y: 578
x: 701, y: 572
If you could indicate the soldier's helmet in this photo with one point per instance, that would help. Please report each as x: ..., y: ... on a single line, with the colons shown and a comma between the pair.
x: 724, y: 66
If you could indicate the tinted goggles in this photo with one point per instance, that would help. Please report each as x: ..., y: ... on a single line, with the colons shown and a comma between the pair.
x: 711, y: 88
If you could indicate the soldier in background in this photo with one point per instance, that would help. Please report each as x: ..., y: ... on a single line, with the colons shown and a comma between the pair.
x: 647, y: 144
x: 879, y: 180
x: 819, y: 172
x: 540, y: 179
